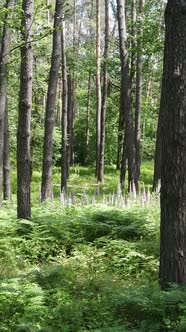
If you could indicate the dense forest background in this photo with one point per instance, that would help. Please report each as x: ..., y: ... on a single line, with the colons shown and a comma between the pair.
x: 88, y: 128
x: 80, y: 19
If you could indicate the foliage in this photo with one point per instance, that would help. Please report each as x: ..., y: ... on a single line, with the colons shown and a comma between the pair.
x: 81, y: 61
x: 83, y: 269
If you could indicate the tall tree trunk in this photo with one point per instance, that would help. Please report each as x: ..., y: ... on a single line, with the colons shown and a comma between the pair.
x: 98, y: 86
x: 90, y: 17
x: 6, y: 159
x: 24, y: 116
x: 72, y: 94
x: 104, y: 97
x: 69, y: 122
x: 173, y: 177
x: 121, y: 122
x: 126, y: 107
x: 139, y: 65
x: 46, y: 186
x: 133, y: 46
x: 59, y: 103
x: 73, y: 86
x: 158, y: 157
x: 72, y: 136
x: 64, y: 166
x: 5, y: 46
x: 88, y: 119
x: 123, y: 163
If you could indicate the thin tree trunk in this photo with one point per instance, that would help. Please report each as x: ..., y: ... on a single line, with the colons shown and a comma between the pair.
x: 104, y: 97
x: 5, y: 46
x: 173, y: 177
x: 69, y: 122
x: 120, y: 157
x: 72, y: 95
x: 98, y: 86
x: 90, y: 17
x: 126, y: 107
x: 158, y: 157
x: 73, y: 111
x: 88, y: 119
x: 123, y: 164
x: 133, y: 46
x: 73, y: 85
x: 6, y: 159
x: 46, y: 186
x: 24, y: 116
x: 139, y: 65
x: 59, y: 103
x: 121, y: 122
x: 149, y: 87
x: 64, y: 169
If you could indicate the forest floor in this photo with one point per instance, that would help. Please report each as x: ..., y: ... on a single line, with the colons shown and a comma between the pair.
x: 90, y: 266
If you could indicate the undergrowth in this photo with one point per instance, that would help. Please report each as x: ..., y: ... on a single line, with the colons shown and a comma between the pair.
x: 83, y: 269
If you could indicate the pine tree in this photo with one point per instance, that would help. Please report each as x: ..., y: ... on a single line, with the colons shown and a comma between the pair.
x: 173, y: 177
x: 24, y: 116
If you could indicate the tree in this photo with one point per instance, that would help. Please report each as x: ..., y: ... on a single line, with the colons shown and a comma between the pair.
x: 64, y: 163
x: 133, y: 46
x: 173, y: 177
x: 158, y: 156
x: 126, y: 107
x: 46, y: 186
x: 72, y: 94
x: 24, y: 116
x: 139, y: 65
x: 5, y: 46
x: 104, y: 96
x: 88, y: 118
x: 98, y: 87
x: 6, y: 158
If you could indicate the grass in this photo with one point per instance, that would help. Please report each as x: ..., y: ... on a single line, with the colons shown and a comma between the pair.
x: 83, y: 182
x: 62, y: 271
x: 85, y: 268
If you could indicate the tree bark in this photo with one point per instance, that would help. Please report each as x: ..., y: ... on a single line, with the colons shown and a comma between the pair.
x: 104, y: 96
x: 139, y: 65
x: 64, y: 166
x: 73, y: 86
x: 88, y: 119
x: 173, y: 177
x: 98, y: 86
x: 123, y: 164
x: 24, y: 116
x: 133, y: 46
x: 158, y: 156
x: 59, y: 103
x: 72, y: 95
x: 6, y: 159
x: 5, y: 46
x: 69, y: 122
x: 121, y: 127
x: 126, y: 107
x: 90, y: 31
x: 46, y: 186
